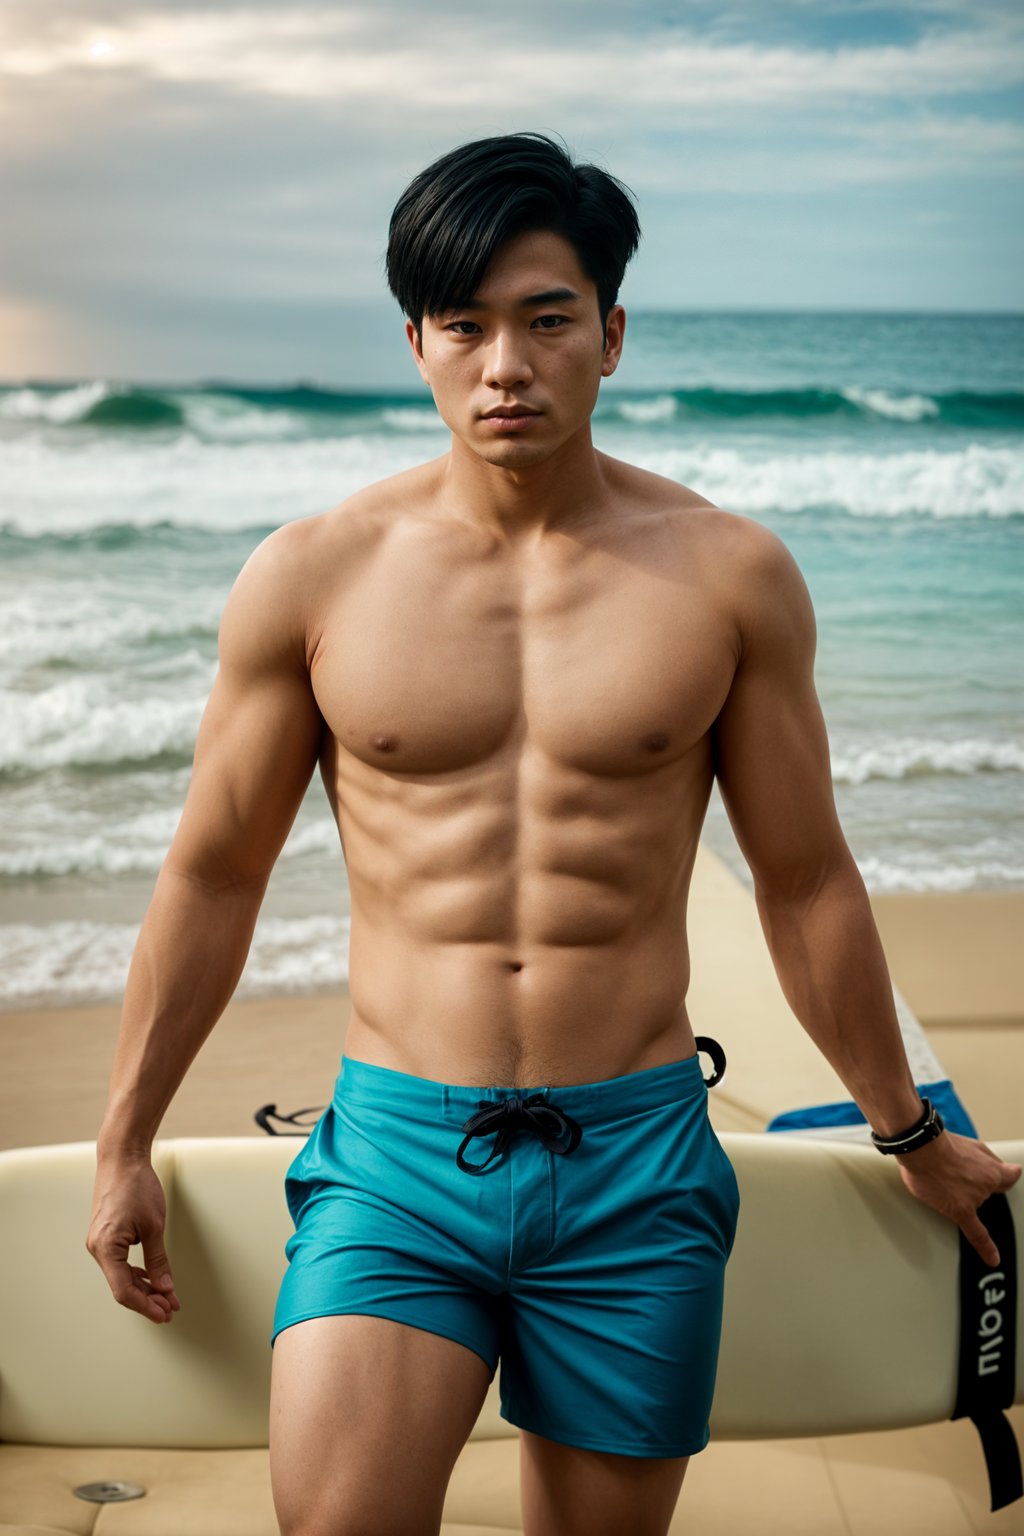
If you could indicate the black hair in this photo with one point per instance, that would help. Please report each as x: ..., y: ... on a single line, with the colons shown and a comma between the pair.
x: 452, y: 217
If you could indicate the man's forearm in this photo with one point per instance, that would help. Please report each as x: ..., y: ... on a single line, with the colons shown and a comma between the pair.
x: 831, y: 966
x: 188, y: 958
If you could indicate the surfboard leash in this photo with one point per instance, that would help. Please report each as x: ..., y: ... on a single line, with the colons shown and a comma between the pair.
x: 988, y: 1350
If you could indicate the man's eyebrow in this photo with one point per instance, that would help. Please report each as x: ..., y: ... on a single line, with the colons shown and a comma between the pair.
x: 550, y: 296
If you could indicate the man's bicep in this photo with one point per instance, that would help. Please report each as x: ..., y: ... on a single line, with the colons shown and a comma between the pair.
x: 260, y: 734
x: 769, y: 739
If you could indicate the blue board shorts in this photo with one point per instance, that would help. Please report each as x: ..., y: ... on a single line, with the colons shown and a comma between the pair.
x: 579, y: 1234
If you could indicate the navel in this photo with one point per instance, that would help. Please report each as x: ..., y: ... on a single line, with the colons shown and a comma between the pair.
x: 657, y: 741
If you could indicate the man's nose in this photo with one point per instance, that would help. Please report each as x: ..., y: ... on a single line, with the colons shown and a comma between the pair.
x: 506, y: 363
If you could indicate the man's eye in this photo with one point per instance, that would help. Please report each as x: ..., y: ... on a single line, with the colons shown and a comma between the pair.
x: 561, y: 319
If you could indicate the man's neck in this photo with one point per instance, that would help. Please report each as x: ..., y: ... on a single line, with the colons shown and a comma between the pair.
x: 522, y: 505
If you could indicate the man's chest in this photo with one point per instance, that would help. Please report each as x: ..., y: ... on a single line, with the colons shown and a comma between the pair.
x: 599, y: 663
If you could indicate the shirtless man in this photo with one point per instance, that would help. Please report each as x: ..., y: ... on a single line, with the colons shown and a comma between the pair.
x: 520, y: 668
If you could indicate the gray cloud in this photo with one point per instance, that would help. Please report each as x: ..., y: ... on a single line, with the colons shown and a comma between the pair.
x: 242, y: 163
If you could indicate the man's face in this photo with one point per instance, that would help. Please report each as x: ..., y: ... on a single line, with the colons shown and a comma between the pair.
x: 549, y: 356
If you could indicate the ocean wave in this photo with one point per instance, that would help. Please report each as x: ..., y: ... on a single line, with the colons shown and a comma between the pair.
x: 659, y: 408
x: 184, y: 484
x: 80, y: 723
x: 996, y: 409
x: 917, y: 757
x: 880, y: 402
x: 239, y: 413
x: 78, y: 629
x: 95, y: 403
x: 413, y: 418
x: 172, y: 492
x: 137, y: 845
x: 69, y: 963
x: 974, y: 482
x: 926, y: 873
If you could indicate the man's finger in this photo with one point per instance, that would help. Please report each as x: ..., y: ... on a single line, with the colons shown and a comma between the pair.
x: 125, y: 1288
x: 980, y: 1239
x: 165, y: 1301
x: 158, y: 1267
x: 129, y: 1293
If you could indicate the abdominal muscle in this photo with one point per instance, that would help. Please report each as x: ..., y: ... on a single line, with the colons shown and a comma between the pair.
x: 485, y: 1048
x: 477, y: 1012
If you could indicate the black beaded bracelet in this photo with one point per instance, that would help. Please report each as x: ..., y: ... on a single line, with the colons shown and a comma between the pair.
x: 925, y: 1129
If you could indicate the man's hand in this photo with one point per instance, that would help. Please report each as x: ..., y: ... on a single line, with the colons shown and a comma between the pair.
x: 954, y: 1175
x: 129, y: 1207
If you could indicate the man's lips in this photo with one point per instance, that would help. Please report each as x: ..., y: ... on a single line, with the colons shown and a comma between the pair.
x: 509, y: 424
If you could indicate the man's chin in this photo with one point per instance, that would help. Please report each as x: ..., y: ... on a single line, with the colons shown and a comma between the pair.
x: 507, y: 454
x: 501, y: 448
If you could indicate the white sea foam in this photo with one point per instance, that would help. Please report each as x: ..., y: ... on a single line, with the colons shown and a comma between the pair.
x: 413, y: 419
x: 976, y: 481
x: 925, y: 872
x: 59, y: 622
x: 61, y: 407
x: 912, y: 756
x: 220, y: 486
x: 661, y: 408
x: 70, y: 963
x: 128, y: 844
x: 48, y: 843
x: 227, y: 420
x: 86, y: 720
x: 894, y: 407
x: 136, y: 482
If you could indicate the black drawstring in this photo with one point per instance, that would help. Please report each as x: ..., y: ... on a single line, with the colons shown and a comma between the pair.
x: 506, y: 1115
x: 546, y: 1121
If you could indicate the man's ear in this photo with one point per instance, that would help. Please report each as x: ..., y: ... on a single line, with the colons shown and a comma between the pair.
x: 417, y: 351
x: 615, y: 328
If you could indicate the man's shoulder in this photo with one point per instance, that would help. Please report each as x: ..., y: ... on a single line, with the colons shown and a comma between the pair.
x: 284, y: 588
x: 296, y: 572
x: 370, y: 511
x: 734, y: 536
x: 760, y: 581
x: 745, y: 546
x: 751, y: 569
x: 318, y: 537
x: 660, y: 494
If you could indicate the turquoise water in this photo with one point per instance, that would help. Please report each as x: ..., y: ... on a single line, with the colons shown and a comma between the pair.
x: 886, y: 450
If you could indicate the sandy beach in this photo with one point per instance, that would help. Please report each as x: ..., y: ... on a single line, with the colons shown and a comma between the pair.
x: 957, y: 958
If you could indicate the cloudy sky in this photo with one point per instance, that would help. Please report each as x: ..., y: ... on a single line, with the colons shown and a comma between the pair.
x: 202, y: 190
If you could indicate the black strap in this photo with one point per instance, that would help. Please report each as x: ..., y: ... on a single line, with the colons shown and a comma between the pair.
x: 988, y: 1349
x: 712, y: 1048
x: 262, y: 1118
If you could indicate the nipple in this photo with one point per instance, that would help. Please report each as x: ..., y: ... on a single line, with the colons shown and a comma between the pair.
x: 657, y: 741
x: 384, y: 743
